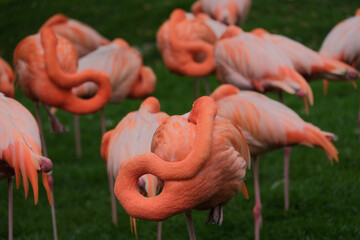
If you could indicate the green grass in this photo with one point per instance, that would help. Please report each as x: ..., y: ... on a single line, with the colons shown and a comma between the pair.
x: 324, y: 199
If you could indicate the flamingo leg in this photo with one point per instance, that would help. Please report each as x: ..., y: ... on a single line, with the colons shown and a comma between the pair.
x: 257, y: 207
x: 196, y: 89
x: 56, y: 125
x: 50, y: 178
x: 10, y: 210
x: 190, y: 225
x: 207, y: 86
x: 77, y: 136
x: 102, y: 121
x: 159, y: 230
x: 216, y: 215
x: 112, y: 198
x: 287, y: 151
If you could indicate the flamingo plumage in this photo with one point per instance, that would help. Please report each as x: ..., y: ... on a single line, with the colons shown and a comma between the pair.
x: 229, y: 12
x: 84, y: 37
x: 202, y: 160
x: 20, y: 151
x: 7, y: 79
x: 268, y: 125
x: 131, y: 137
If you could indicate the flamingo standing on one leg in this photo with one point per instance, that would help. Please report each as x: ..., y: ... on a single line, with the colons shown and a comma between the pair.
x: 251, y: 63
x: 229, y: 12
x: 46, y: 65
x: 202, y: 160
x: 186, y: 45
x: 268, y: 125
x: 342, y: 43
x: 7, y: 79
x: 132, y: 137
x: 20, y: 151
x: 84, y: 38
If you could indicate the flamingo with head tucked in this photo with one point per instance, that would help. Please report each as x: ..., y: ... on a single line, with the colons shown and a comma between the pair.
x: 202, y: 160
x: 20, y: 151
x: 268, y: 125
x: 84, y: 38
x: 186, y: 45
x: 7, y: 79
x: 46, y: 65
x: 131, y: 137
x: 229, y: 12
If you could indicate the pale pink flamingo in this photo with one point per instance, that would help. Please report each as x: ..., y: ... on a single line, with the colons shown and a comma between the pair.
x: 202, y: 160
x: 84, y: 38
x: 229, y: 12
x: 186, y: 46
x: 7, y: 79
x: 131, y: 137
x: 251, y: 63
x: 268, y: 125
x: 20, y: 152
x: 46, y: 65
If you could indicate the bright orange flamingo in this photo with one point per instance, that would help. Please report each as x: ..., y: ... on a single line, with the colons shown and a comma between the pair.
x: 7, y: 79
x: 84, y: 38
x: 342, y: 43
x: 202, y: 160
x: 20, y: 152
x: 46, y: 65
x: 131, y: 137
x: 309, y: 63
x: 268, y: 125
x: 229, y: 12
x: 186, y: 45
x: 251, y: 63
x: 128, y: 77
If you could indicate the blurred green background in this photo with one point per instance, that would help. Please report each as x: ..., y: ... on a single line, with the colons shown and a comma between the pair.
x: 324, y: 199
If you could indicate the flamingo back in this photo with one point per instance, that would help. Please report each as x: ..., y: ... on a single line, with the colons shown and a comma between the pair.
x: 20, y: 145
x: 342, y: 42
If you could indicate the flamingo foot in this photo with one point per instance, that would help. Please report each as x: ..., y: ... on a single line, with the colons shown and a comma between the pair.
x: 216, y: 215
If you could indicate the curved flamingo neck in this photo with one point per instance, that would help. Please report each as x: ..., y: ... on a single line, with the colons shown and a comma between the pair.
x: 231, y: 31
x: 151, y: 104
x: 54, y: 20
x: 126, y: 189
x: 145, y: 83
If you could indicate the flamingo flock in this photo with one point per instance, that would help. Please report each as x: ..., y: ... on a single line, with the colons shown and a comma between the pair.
x: 160, y: 165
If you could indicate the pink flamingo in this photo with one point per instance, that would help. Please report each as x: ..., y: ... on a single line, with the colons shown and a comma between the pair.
x: 131, y: 137
x: 20, y: 152
x: 202, y: 160
x: 268, y: 125
x: 7, y: 79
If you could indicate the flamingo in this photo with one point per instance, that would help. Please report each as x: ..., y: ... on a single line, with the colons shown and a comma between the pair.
x: 342, y: 43
x: 268, y: 125
x: 131, y: 137
x: 20, y: 152
x: 186, y: 45
x: 310, y: 64
x: 202, y: 160
x: 128, y: 77
x: 46, y: 65
x: 251, y: 63
x: 229, y: 12
x: 7, y: 79
x: 84, y: 38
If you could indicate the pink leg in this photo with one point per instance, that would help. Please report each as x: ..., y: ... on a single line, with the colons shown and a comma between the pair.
x: 112, y: 198
x: 190, y: 225
x: 359, y: 124
x: 159, y: 230
x: 10, y: 202
x: 56, y: 125
x: 50, y: 178
x: 102, y: 121
x: 257, y: 207
x: 196, y: 88
x: 77, y: 136
x: 207, y: 86
x: 287, y: 151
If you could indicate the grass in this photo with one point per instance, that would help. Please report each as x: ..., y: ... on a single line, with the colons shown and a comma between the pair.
x: 324, y: 199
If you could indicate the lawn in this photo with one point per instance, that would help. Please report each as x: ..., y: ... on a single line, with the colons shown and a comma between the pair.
x: 324, y: 199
